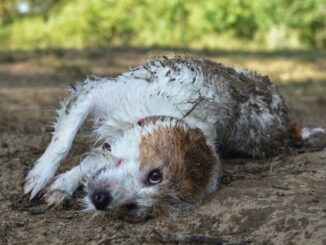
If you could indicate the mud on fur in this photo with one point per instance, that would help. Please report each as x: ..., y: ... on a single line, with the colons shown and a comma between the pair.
x: 163, y: 127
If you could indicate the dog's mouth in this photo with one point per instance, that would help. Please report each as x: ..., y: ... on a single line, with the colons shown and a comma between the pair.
x: 130, y: 207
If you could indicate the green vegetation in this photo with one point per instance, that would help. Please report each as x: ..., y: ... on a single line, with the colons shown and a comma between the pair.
x: 224, y: 24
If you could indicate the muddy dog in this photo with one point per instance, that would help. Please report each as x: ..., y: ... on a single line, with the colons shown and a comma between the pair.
x: 160, y: 130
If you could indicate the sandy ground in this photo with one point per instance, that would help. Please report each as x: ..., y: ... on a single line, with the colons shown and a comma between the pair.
x: 281, y: 200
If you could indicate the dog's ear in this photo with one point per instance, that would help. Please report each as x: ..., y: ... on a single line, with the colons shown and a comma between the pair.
x: 194, y: 135
x: 200, y: 158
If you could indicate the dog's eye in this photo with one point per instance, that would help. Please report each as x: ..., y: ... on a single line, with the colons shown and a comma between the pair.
x: 106, y: 146
x: 154, y: 177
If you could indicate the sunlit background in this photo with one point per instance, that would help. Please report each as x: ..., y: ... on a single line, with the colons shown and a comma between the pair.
x: 225, y: 24
x: 51, y: 42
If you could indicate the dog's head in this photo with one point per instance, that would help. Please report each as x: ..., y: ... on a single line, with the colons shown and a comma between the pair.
x: 156, y: 167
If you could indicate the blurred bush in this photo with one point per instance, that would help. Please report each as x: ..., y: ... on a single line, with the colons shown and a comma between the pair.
x: 176, y: 23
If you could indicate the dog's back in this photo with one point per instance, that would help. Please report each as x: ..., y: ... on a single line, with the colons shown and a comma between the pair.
x: 239, y: 111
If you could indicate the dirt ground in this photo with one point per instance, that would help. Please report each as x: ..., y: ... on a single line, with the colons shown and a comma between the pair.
x: 281, y: 200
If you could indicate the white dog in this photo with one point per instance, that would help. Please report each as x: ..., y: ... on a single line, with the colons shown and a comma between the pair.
x: 162, y: 126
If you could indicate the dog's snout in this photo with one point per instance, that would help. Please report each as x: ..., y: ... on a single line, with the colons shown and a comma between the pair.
x: 101, y: 199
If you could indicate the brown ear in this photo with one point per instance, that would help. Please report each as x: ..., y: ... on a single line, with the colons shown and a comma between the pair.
x: 194, y: 135
x: 200, y: 158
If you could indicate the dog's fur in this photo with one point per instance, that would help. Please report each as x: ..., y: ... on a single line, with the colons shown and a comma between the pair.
x: 175, y: 115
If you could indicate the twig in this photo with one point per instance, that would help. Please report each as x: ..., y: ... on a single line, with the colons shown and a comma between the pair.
x: 108, y: 240
x: 280, y: 187
x: 193, y: 238
x: 195, y: 104
x: 174, y: 238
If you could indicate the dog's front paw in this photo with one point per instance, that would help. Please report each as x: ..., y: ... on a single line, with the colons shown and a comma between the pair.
x: 37, y: 179
x: 61, y: 189
x: 56, y: 197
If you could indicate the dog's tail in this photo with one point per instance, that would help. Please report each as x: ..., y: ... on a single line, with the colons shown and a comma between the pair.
x: 308, y: 136
x: 307, y: 133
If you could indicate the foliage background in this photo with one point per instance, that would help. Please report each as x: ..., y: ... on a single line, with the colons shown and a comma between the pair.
x: 207, y: 24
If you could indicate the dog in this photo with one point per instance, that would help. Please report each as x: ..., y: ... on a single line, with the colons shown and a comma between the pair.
x: 161, y: 128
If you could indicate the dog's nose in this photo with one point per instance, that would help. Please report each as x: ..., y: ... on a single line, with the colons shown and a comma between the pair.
x: 101, y: 199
